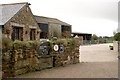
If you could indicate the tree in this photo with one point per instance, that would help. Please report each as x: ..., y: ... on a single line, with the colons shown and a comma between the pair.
x: 95, y: 37
x: 117, y: 36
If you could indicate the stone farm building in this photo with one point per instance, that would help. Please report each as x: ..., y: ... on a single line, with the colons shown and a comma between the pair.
x: 18, y: 22
x: 52, y: 27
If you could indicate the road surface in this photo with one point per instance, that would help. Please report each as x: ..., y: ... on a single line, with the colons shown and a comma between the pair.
x: 97, y: 61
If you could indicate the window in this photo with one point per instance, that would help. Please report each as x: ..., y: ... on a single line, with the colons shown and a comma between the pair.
x: 32, y: 34
x: 44, y: 28
x: 17, y: 33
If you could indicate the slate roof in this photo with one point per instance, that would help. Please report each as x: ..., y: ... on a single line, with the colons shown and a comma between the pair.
x: 7, y: 11
x: 42, y: 19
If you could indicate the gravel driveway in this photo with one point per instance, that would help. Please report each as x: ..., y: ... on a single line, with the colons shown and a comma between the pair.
x: 97, y: 61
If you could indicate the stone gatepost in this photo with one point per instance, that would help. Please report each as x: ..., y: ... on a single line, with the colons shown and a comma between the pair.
x: 118, y: 58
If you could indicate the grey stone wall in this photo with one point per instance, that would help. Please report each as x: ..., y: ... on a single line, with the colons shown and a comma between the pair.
x: 69, y: 56
x: 21, y: 60
x: 45, y: 62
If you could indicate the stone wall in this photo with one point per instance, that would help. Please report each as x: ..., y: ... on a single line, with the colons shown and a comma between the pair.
x: 45, y: 62
x: 19, y: 60
x: 115, y: 46
x: 118, y: 48
x: 70, y: 54
x: 119, y: 59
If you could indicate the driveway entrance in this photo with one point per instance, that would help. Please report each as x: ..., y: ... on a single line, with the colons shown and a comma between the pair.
x: 97, y: 61
x: 98, y: 53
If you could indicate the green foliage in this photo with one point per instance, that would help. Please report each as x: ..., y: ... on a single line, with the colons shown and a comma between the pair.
x: 66, y: 42
x: 73, y: 42
x: 36, y: 44
x: 28, y: 44
x: 109, y: 41
x: 117, y: 36
x: 95, y: 37
x: 59, y: 41
x: 6, y: 43
x: 53, y: 42
x: 17, y: 44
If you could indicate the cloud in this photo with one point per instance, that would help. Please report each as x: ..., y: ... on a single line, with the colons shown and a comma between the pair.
x: 89, y: 16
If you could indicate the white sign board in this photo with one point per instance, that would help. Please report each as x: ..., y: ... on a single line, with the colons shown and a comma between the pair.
x: 56, y: 47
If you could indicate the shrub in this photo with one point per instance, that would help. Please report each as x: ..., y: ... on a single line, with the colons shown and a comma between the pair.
x: 95, y: 37
x: 28, y: 44
x: 34, y: 44
x: 66, y: 42
x: 117, y: 36
x: 6, y: 43
x: 73, y: 42
x: 25, y: 44
x: 17, y: 44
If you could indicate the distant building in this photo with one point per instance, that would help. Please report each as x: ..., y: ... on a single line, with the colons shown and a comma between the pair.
x: 52, y: 27
x: 83, y: 36
x: 18, y: 23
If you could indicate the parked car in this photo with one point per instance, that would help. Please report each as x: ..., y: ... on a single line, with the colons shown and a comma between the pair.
x: 44, y: 48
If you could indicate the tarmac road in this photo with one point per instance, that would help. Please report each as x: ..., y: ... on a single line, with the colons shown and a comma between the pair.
x: 98, y: 53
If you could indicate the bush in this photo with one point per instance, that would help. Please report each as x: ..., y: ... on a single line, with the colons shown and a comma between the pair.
x: 66, y: 42
x: 34, y: 44
x: 117, y: 36
x: 28, y: 44
x: 6, y: 43
x: 95, y: 37
x: 17, y: 44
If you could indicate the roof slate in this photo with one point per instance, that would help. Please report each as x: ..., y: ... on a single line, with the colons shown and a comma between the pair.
x: 41, y: 19
x: 7, y: 11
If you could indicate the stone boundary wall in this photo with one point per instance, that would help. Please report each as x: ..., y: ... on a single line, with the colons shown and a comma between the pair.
x: 17, y: 61
x: 115, y: 46
x: 69, y: 56
x: 118, y: 48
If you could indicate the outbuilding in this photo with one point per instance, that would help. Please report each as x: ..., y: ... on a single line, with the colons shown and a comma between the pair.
x: 52, y: 27
x: 18, y: 23
x: 84, y: 36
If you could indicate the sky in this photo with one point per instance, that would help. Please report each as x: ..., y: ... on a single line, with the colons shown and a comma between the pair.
x: 98, y: 17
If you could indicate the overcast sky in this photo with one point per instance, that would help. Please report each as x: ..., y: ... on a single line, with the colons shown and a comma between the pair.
x: 98, y: 17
